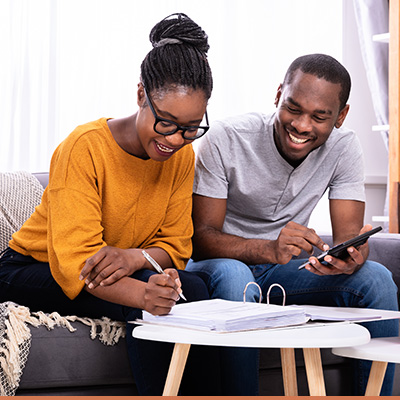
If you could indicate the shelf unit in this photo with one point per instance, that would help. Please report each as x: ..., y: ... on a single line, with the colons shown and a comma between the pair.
x: 394, y: 116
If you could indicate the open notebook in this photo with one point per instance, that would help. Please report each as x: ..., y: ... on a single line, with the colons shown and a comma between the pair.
x: 229, y: 316
x: 219, y: 315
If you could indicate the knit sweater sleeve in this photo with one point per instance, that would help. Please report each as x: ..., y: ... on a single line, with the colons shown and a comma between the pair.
x: 74, y: 217
x: 175, y: 232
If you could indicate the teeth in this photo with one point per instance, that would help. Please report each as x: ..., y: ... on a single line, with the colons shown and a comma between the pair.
x: 163, y: 148
x: 296, y: 140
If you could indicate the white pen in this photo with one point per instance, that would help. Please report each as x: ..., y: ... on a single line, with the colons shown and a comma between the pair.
x: 320, y: 258
x: 157, y: 267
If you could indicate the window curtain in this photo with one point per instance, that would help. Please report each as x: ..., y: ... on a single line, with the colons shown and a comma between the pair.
x: 372, y: 17
x: 28, y: 82
x: 65, y: 63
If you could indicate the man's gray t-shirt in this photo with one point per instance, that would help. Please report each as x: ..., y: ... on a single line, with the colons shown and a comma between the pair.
x: 238, y: 160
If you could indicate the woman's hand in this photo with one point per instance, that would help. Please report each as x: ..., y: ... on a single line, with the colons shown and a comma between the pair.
x: 162, y: 292
x: 109, y: 265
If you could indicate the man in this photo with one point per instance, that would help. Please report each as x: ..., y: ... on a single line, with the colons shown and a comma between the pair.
x: 259, y: 177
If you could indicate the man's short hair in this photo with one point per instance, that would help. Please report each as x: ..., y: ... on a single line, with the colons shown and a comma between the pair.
x: 322, y: 66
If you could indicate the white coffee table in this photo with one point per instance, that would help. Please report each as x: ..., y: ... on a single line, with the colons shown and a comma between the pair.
x: 380, y: 351
x: 310, y: 337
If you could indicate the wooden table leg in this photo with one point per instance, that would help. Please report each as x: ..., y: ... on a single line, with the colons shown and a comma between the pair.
x: 176, y: 368
x: 289, y: 372
x: 376, y: 376
x: 315, y: 376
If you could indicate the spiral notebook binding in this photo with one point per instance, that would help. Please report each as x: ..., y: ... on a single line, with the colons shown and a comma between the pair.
x: 260, y: 291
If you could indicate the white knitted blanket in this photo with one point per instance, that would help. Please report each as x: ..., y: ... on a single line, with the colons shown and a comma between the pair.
x: 15, y: 338
x: 20, y: 193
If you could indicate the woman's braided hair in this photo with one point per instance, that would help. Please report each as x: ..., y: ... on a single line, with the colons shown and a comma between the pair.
x: 178, y: 57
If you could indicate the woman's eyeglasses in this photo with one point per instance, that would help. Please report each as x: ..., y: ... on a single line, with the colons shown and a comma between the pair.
x: 166, y: 127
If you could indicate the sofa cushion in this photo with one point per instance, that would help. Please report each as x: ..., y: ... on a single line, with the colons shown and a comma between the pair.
x: 60, y: 358
x: 384, y: 248
x: 20, y: 193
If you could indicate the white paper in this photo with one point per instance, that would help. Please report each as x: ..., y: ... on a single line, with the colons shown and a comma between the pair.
x: 229, y: 316
x: 348, y: 313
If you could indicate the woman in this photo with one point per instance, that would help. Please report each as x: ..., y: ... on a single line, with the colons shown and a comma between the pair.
x: 116, y: 187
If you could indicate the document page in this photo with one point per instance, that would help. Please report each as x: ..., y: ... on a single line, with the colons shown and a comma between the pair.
x: 229, y: 316
x: 347, y: 313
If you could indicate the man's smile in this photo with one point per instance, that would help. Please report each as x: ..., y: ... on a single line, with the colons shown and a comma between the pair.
x: 297, y: 140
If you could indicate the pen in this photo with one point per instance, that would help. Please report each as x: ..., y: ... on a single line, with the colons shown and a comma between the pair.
x: 157, y: 267
x: 319, y: 258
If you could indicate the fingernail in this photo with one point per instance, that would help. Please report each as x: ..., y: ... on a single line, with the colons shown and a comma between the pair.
x: 313, y: 261
x: 328, y: 259
x: 90, y: 286
x: 350, y: 249
x: 80, y: 277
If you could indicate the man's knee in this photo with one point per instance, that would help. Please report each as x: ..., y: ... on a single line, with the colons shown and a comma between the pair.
x: 220, y: 267
x: 225, y: 278
x: 377, y: 274
x: 379, y: 281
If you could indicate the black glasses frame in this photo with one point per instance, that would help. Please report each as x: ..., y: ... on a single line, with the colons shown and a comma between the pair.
x: 177, y: 126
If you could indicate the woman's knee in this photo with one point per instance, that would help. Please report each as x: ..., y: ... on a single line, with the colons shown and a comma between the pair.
x: 193, y: 286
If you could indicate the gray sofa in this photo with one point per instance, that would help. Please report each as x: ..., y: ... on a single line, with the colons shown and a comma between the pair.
x: 65, y: 363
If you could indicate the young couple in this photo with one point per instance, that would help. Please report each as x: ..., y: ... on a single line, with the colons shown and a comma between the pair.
x: 118, y: 186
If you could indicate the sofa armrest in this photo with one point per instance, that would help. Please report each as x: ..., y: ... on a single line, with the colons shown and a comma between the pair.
x: 42, y: 177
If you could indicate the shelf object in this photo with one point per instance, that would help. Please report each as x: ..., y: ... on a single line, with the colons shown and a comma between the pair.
x: 394, y: 117
x: 380, y: 128
x: 382, y: 37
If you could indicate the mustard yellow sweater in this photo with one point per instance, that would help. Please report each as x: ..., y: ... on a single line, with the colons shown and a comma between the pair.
x: 100, y: 195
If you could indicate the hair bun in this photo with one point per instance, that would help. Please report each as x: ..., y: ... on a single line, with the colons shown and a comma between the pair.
x: 176, y: 29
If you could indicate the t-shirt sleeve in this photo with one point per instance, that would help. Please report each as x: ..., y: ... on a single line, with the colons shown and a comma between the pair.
x: 210, y: 175
x: 348, y: 179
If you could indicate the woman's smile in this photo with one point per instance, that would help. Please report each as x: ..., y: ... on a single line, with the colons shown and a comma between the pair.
x: 164, y: 150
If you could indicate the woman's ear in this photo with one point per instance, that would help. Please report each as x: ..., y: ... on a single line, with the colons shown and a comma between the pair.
x: 141, y: 97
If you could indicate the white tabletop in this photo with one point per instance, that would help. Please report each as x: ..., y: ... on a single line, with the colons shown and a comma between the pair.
x: 378, y: 349
x: 305, y: 336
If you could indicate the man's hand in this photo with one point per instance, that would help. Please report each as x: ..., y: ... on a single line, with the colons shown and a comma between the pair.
x: 109, y: 265
x: 162, y: 292
x: 294, y: 238
x: 336, y: 266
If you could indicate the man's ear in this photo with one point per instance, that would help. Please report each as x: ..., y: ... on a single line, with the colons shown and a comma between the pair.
x: 342, y: 116
x: 141, y: 97
x: 278, y: 95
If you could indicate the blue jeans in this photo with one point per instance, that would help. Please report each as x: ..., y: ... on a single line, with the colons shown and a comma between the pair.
x: 28, y: 282
x: 370, y: 287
